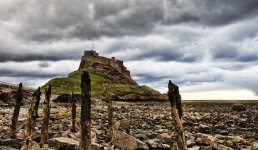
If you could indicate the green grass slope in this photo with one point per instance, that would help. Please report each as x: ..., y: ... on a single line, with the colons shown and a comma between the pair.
x: 99, y: 86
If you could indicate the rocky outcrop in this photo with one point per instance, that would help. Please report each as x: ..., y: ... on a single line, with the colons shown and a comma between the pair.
x: 238, y: 107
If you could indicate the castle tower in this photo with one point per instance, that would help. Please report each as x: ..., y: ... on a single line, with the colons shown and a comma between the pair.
x: 91, y: 61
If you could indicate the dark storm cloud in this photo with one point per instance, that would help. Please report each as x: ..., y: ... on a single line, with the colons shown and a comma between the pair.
x: 21, y: 57
x: 211, y: 13
x: 55, y: 20
x: 30, y: 74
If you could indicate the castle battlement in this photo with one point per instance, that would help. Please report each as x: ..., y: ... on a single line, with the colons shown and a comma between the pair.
x: 91, y: 57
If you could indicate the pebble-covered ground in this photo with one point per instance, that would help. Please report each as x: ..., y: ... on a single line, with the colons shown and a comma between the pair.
x: 207, y: 125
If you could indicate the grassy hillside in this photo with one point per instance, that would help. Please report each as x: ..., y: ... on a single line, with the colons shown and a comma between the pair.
x: 99, y: 85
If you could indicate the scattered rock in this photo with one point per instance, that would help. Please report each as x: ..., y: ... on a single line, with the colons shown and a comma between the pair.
x: 255, y: 145
x: 220, y: 147
x: 190, y: 142
x: 205, y: 139
x: 194, y: 148
x: 156, y: 144
x: 63, y: 143
x: 7, y: 148
x: 165, y: 138
x: 95, y: 146
x: 126, y: 141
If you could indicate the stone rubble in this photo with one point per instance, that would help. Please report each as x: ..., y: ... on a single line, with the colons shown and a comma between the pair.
x: 149, y: 123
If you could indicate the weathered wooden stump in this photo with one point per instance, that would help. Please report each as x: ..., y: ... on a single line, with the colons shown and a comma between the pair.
x: 37, y: 94
x: 32, y: 116
x: 85, y: 143
x: 19, y: 98
x: 46, y: 114
x: 110, y: 120
x: 174, y: 96
x: 73, y: 113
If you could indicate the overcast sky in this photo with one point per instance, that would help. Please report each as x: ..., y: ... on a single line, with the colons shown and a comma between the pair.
x: 208, y: 47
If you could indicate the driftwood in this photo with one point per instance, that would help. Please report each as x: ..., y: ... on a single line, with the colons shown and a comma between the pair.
x: 19, y: 98
x: 85, y: 143
x: 174, y: 96
x: 46, y: 115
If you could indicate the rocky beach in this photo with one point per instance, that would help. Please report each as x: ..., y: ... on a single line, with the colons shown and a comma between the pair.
x: 208, y: 125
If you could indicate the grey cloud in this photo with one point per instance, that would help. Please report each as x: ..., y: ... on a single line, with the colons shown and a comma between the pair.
x: 44, y: 64
x: 30, y: 74
x: 233, y: 53
x: 20, y: 57
x: 217, y: 13
x: 141, y: 49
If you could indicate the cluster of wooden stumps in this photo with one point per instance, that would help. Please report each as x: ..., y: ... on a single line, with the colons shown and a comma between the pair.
x: 85, y: 142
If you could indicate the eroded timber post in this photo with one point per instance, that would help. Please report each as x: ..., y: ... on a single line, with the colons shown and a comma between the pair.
x: 19, y: 98
x: 46, y: 114
x: 37, y: 94
x: 110, y: 120
x: 85, y: 143
x: 174, y: 96
x: 73, y: 113
x: 32, y: 116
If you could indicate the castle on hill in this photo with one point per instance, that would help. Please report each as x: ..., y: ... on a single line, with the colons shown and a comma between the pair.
x: 91, y: 58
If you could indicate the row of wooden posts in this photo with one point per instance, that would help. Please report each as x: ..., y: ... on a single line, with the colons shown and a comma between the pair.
x: 85, y: 142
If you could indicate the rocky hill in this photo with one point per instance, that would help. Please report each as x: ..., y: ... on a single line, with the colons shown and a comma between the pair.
x: 108, y: 76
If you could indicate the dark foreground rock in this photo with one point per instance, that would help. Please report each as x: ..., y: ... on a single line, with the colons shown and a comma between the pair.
x: 14, y: 143
x: 238, y: 107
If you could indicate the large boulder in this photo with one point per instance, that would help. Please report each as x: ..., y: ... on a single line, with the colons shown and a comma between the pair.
x: 7, y: 97
x: 66, y: 98
x: 66, y: 143
x: 7, y: 148
x: 63, y: 143
x: 126, y: 141
x: 220, y: 147
x: 238, y: 107
x: 14, y: 143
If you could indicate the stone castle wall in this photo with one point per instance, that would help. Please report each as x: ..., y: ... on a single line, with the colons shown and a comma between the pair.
x: 91, y: 57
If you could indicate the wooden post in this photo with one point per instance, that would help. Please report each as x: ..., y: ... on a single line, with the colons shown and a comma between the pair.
x: 85, y: 143
x: 46, y: 115
x: 30, y: 124
x: 19, y: 98
x: 173, y: 95
x: 110, y: 119
x: 73, y: 113
x: 37, y: 94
